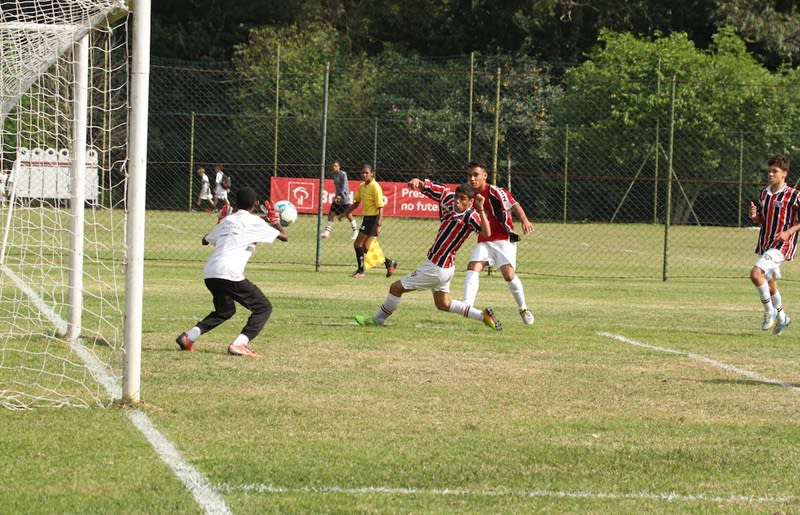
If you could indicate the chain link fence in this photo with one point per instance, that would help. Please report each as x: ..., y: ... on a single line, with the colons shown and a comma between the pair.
x: 651, y: 198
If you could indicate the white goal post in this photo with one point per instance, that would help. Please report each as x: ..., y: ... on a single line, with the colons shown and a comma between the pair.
x: 74, y: 76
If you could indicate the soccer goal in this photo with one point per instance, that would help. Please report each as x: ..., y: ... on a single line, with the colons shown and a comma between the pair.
x: 71, y: 139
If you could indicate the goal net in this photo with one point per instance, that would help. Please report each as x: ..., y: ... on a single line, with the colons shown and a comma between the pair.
x: 64, y: 68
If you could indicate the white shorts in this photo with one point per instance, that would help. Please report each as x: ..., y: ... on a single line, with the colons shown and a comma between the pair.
x: 429, y: 277
x: 205, y: 194
x: 770, y: 262
x: 496, y: 253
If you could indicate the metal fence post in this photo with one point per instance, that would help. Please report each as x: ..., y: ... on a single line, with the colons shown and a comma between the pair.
x: 191, y: 156
x: 741, y: 178
x: 566, y: 171
x: 496, y: 128
x: 322, y: 164
x: 375, y: 145
x: 471, y: 97
x: 277, y: 111
x: 658, y: 146
x: 668, y: 207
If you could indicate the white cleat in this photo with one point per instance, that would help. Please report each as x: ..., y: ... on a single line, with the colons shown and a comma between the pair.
x: 770, y: 319
x: 526, y: 315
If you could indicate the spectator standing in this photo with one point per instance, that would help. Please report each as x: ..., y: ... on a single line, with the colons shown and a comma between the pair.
x: 205, y: 190
x: 341, y: 201
x: 221, y: 187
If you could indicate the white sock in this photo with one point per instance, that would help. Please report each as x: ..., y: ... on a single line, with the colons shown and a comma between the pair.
x: 389, y: 306
x: 329, y: 226
x: 241, y: 340
x: 354, y: 225
x: 515, y: 287
x: 471, y: 283
x: 193, y: 333
x: 465, y: 310
x: 763, y: 293
x: 777, y: 303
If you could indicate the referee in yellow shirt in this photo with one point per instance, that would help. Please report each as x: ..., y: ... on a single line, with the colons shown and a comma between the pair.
x: 370, y: 196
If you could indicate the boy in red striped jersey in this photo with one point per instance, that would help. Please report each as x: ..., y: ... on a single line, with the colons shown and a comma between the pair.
x: 778, y: 214
x: 459, y: 219
x: 499, y: 249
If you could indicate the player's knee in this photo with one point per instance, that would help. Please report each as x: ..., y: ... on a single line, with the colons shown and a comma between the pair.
x: 227, y: 313
x: 397, y: 289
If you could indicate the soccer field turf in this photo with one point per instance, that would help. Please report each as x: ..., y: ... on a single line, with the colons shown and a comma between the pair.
x: 624, y: 396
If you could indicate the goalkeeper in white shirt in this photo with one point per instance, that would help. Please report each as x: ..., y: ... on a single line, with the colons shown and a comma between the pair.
x: 234, y: 240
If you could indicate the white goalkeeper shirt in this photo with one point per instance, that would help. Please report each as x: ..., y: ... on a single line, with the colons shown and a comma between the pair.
x: 234, y: 240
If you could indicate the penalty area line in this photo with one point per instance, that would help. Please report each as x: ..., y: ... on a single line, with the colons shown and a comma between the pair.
x: 503, y: 492
x: 755, y: 376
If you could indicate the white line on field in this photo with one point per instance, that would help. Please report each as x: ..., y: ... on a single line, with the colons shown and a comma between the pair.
x: 173, y: 228
x: 698, y: 357
x: 203, y: 492
x: 463, y: 492
x: 198, y: 485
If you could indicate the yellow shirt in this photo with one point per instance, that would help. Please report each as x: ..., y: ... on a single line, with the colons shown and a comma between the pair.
x: 371, y: 197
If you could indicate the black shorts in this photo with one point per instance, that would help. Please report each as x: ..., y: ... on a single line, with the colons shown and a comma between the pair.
x: 369, y: 225
x: 338, y: 209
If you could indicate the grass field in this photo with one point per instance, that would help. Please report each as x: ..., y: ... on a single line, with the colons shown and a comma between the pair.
x: 625, y: 396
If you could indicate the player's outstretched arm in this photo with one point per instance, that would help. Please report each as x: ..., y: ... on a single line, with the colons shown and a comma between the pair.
x: 527, y: 226
x: 415, y: 184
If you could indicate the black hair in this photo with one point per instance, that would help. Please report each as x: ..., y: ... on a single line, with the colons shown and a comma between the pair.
x: 782, y: 161
x: 465, y: 189
x: 477, y: 164
x: 245, y: 198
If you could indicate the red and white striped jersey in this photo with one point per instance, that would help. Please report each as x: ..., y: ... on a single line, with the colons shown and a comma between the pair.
x: 454, y: 229
x: 499, y: 202
x: 780, y: 211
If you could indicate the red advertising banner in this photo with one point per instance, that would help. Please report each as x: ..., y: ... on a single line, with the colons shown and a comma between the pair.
x: 400, y: 200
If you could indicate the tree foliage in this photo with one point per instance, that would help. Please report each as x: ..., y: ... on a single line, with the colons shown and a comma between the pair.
x: 721, y: 94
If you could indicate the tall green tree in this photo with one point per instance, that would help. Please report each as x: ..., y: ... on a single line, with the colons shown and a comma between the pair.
x: 721, y: 94
x: 768, y: 26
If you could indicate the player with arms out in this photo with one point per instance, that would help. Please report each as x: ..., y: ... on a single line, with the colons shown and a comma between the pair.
x: 778, y: 213
x: 498, y: 249
x: 459, y: 219
x: 234, y: 239
x: 370, y: 196
x: 341, y: 201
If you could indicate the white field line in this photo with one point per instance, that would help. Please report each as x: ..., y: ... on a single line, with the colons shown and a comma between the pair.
x: 698, y: 357
x: 203, y: 492
x: 59, y: 323
x: 463, y: 492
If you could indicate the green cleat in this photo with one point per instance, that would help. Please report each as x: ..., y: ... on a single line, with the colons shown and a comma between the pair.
x: 362, y: 320
x: 491, y: 320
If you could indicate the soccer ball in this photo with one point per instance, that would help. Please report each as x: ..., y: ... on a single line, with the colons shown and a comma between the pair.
x: 287, y: 213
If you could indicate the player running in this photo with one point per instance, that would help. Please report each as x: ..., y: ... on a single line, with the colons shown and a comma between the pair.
x: 778, y: 214
x: 459, y: 219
